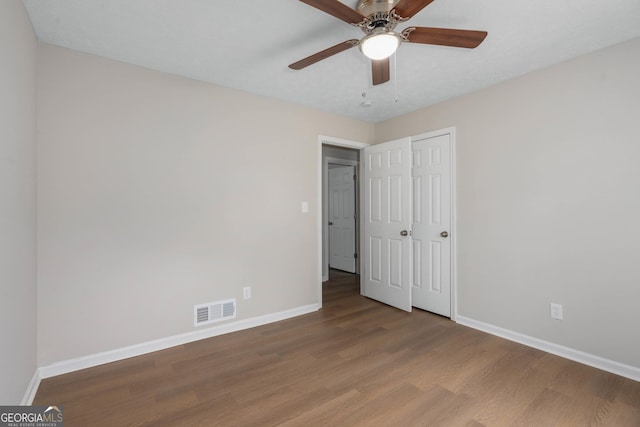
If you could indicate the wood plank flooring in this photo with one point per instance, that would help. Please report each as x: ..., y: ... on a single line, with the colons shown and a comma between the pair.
x: 356, y: 362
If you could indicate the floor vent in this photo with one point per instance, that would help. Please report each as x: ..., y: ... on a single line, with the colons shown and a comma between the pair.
x: 214, y: 312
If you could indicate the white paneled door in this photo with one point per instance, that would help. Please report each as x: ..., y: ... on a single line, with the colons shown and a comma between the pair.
x: 342, y: 218
x: 386, y: 243
x: 431, y: 288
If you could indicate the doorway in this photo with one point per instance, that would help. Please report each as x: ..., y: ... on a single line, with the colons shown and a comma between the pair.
x: 337, y: 152
x: 335, y: 156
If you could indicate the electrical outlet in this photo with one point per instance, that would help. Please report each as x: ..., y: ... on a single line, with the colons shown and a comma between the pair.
x: 246, y: 292
x: 556, y: 311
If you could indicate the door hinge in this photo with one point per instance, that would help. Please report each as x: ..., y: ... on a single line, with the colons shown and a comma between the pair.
x: 355, y: 256
x: 354, y: 177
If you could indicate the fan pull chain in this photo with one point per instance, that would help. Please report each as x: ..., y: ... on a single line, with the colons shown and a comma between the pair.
x: 367, y: 71
x: 366, y: 102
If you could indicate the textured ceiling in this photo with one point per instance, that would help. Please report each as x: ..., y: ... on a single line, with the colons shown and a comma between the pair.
x: 247, y: 45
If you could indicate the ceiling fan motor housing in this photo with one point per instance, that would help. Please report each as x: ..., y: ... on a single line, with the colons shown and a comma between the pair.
x: 379, y: 16
x: 368, y: 7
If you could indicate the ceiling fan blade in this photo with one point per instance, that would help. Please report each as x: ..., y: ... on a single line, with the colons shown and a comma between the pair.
x: 336, y: 9
x: 380, y: 71
x: 310, y: 60
x: 408, y: 8
x: 445, y: 36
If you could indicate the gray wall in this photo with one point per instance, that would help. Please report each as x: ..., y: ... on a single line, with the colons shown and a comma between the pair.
x: 18, y: 308
x: 158, y: 192
x: 340, y: 152
x: 548, y: 198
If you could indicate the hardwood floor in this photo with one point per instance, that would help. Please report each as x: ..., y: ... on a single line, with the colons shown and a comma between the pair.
x: 356, y: 362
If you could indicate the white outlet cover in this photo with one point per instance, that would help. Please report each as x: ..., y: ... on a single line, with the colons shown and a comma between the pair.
x: 556, y: 311
x: 305, y: 207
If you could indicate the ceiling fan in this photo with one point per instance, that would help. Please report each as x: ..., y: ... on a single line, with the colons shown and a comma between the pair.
x: 377, y: 19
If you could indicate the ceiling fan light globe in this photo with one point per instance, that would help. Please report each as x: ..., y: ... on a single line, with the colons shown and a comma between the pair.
x: 380, y: 45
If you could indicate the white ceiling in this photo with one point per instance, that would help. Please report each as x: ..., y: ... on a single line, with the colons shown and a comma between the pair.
x: 247, y: 45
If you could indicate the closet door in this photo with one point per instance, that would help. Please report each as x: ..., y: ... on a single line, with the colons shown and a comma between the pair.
x: 432, y: 190
x: 386, y: 241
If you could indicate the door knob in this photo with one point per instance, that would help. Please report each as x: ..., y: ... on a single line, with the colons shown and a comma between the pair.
x: 444, y: 234
x: 404, y: 233
x: 330, y: 223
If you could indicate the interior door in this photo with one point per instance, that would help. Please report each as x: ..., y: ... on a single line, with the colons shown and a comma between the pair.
x: 431, y: 288
x: 342, y: 218
x: 386, y: 242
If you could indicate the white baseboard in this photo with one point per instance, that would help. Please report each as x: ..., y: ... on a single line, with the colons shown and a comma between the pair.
x: 30, y: 394
x: 89, y: 361
x: 628, y: 371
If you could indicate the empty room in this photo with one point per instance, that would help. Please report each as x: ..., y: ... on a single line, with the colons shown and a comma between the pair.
x: 421, y: 225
